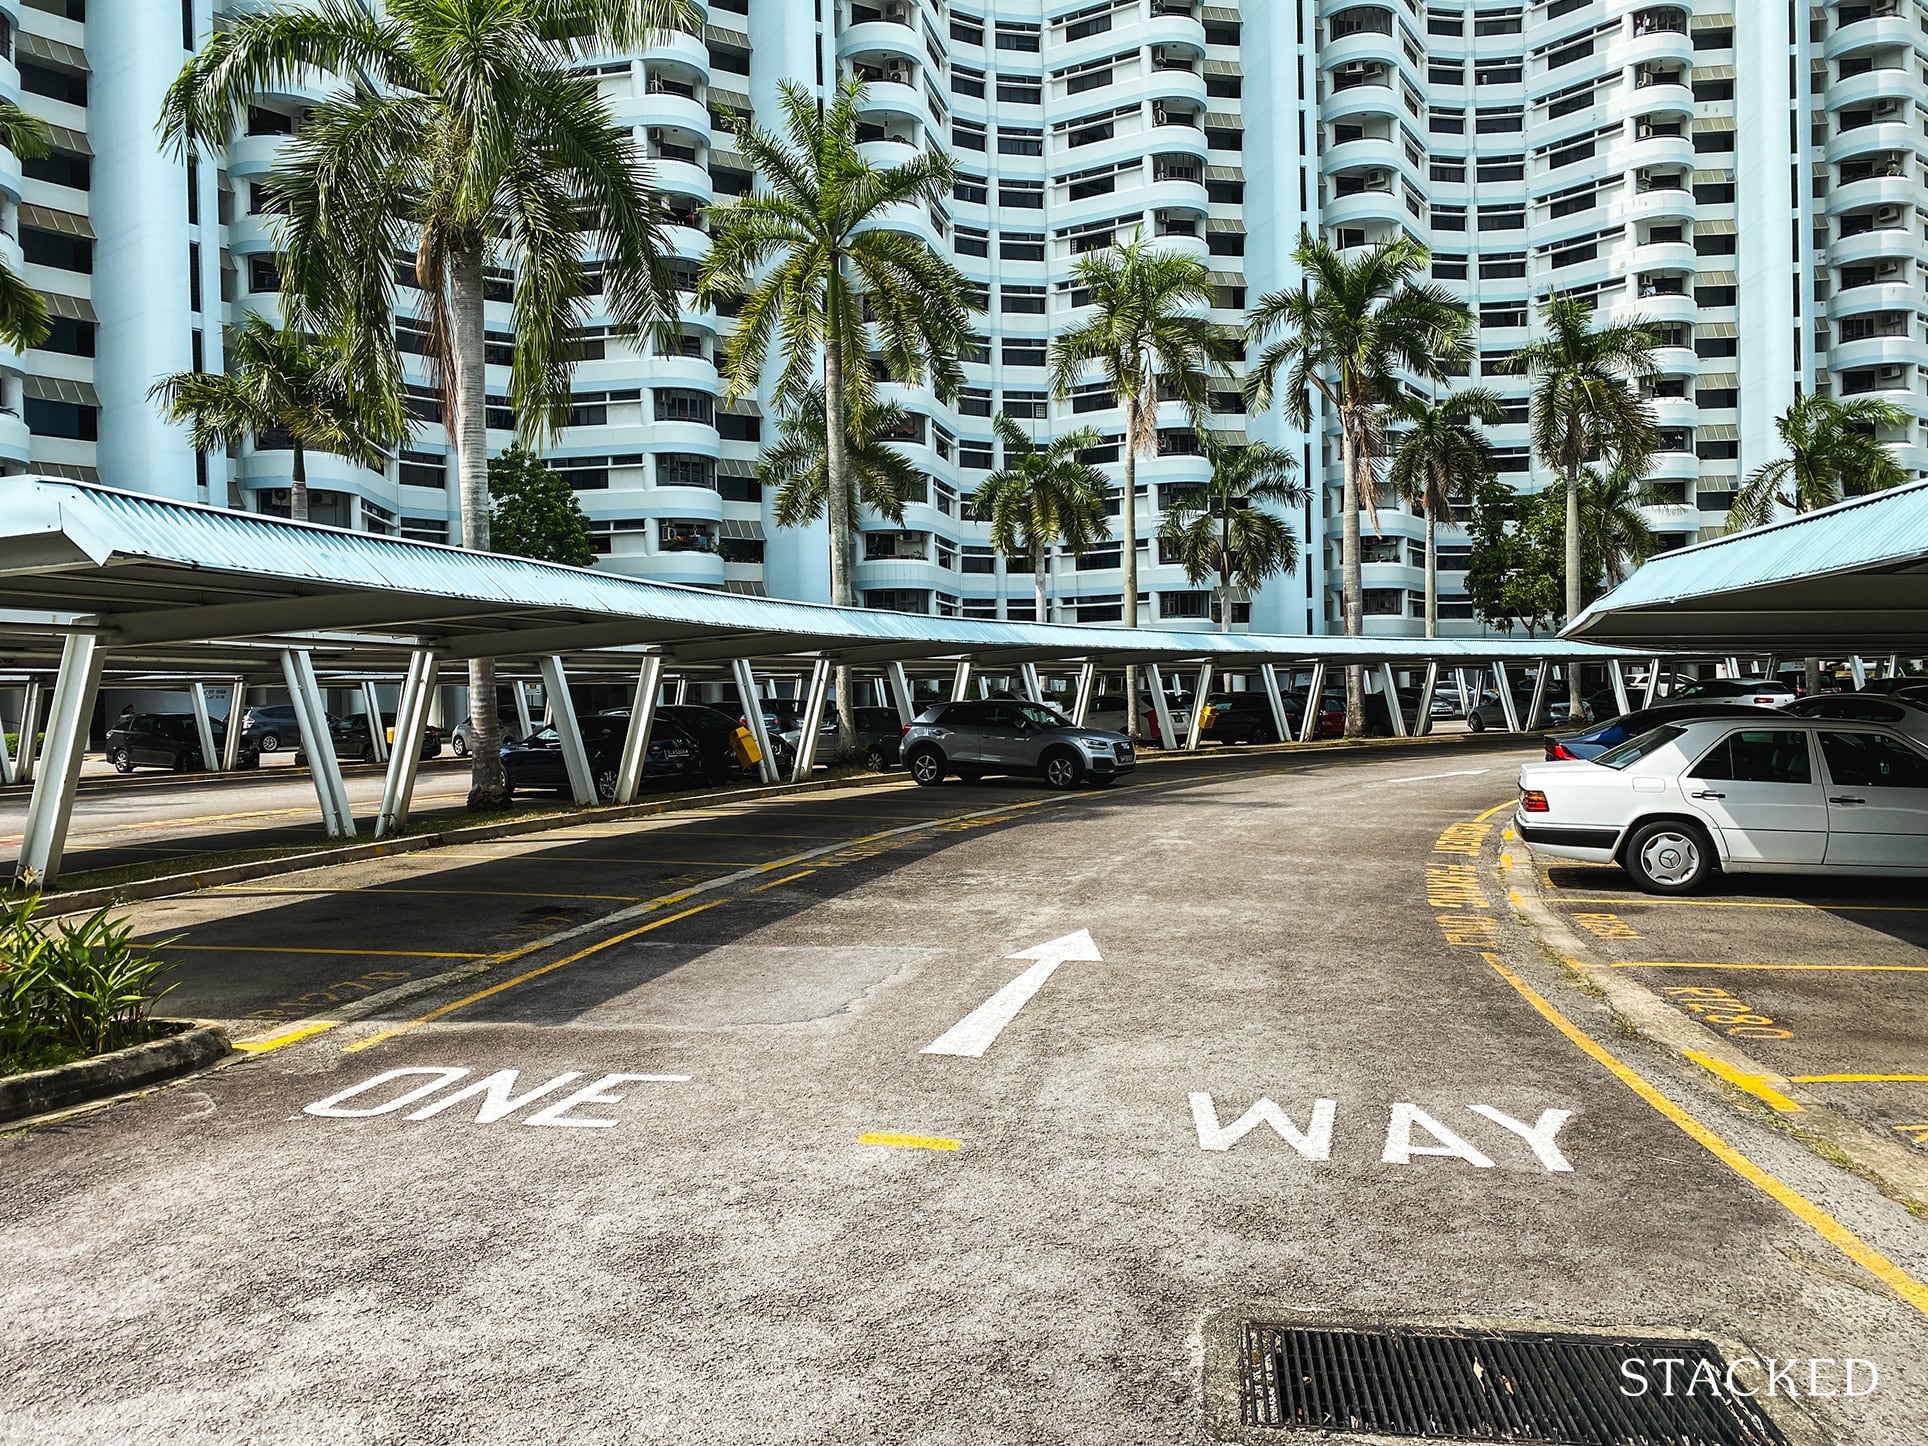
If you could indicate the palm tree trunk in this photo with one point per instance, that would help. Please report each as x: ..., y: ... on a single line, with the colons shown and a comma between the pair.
x: 837, y: 500
x: 1225, y: 570
x: 1043, y: 560
x: 298, y: 485
x: 1432, y: 573
x: 1573, y: 573
x: 1351, y: 580
x: 468, y: 425
x: 1128, y: 560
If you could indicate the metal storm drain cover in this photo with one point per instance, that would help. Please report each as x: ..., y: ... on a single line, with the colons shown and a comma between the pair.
x: 1450, y: 1385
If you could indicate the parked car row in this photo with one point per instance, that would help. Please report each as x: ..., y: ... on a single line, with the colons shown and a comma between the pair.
x: 168, y: 740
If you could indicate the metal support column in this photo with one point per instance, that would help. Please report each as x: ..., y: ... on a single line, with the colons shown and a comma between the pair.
x: 1028, y: 678
x: 1653, y: 683
x: 411, y: 717
x: 204, y: 727
x: 1618, y: 675
x: 1508, y: 708
x: 562, y: 715
x: 523, y: 723
x: 377, y: 730
x: 961, y: 683
x: 642, y: 718
x: 1161, y: 711
x: 1423, y: 724
x: 682, y: 689
x: 1394, y: 710
x: 237, y: 709
x: 1087, y: 685
x: 27, y: 754
x: 6, y: 756
x: 900, y: 694
x: 52, y: 804
x: 298, y: 670
x: 753, y: 717
x: 816, y: 695
x: 1200, y: 693
x: 1314, y: 694
x: 1269, y: 680
x: 1542, y: 681
x: 1859, y: 671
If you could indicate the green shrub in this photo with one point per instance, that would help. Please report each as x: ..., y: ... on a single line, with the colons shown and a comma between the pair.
x: 71, y: 990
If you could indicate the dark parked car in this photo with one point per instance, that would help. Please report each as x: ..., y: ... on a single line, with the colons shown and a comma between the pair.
x: 353, y: 745
x: 1762, y: 692
x: 536, y: 762
x: 1245, y: 718
x: 972, y: 739
x: 271, y: 727
x: 711, y: 731
x: 167, y: 740
x: 1554, y: 712
x: 880, y: 735
x: 462, y: 739
x: 1592, y: 742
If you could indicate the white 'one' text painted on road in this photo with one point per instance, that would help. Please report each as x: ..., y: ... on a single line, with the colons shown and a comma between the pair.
x: 494, y: 1096
x: 973, y: 1034
x: 1410, y: 1133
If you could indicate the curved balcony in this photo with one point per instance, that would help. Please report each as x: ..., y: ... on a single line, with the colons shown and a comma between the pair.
x: 691, y: 568
x: 1664, y: 256
x: 687, y: 178
x: 10, y: 176
x: 1634, y: 152
x: 1167, y: 140
x: 1369, y: 152
x: 1184, y: 31
x: 1363, y: 206
x: 1874, y: 191
x: 1661, y: 99
x: 1877, y: 139
x: 1877, y: 351
x: 1877, y: 32
x: 1883, y: 243
x: 683, y: 48
x: 888, y: 36
x: 1882, y: 83
x: 888, y: 98
x: 1896, y: 294
x: 1660, y: 204
x: 662, y: 109
x: 901, y: 572
x: 1676, y: 361
x: 1659, y: 307
x: 1674, y: 467
x: 688, y: 373
x: 1361, y: 46
x: 16, y: 442
x: 1378, y: 100
x: 252, y: 158
x: 699, y: 438
x: 1657, y: 45
x: 691, y: 504
x: 1676, y: 413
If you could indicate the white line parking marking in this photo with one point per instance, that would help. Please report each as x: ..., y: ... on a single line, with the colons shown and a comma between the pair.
x: 974, y: 1033
x: 1429, y: 777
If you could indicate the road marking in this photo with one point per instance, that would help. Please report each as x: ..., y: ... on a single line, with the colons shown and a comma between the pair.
x: 446, y: 1009
x: 1913, y: 1291
x: 1429, y: 777
x: 1919, y: 1133
x: 975, y: 1032
x: 495, y: 1092
x: 434, y: 893
x: 1753, y: 1084
x: 352, y: 953
x: 908, y: 1142
x: 1842, y: 968
x: 779, y: 883
x: 1859, y: 1078
x: 286, y: 1037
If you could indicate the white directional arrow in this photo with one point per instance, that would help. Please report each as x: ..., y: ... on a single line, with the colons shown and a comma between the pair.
x: 973, y: 1034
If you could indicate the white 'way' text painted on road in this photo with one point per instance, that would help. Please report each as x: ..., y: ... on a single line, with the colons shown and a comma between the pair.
x: 493, y: 1095
x: 974, y: 1033
x: 1313, y: 1140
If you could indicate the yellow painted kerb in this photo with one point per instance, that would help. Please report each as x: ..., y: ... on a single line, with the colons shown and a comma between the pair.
x: 908, y: 1142
x: 1754, y: 1084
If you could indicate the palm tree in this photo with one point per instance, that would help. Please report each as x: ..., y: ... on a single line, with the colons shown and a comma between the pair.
x: 1442, y: 455
x: 1343, y: 333
x: 876, y: 474
x: 1218, y: 530
x: 1042, y: 497
x: 1587, y: 406
x: 462, y: 133
x: 1833, y: 451
x: 1150, y: 343
x: 24, y: 323
x: 811, y: 265
x: 279, y: 381
x: 1613, y: 526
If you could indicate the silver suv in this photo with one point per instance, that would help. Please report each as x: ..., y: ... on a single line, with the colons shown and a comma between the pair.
x: 975, y: 738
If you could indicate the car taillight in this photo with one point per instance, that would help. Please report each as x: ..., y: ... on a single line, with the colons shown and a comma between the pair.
x: 1555, y: 750
x: 1533, y: 801
x: 904, y: 731
x: 1767, y: 701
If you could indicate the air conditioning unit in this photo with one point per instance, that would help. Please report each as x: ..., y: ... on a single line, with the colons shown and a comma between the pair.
x: 1892, y: 374
x: 1887, y: 108
x: 1162, y: 217
x: 1889, y: 270
x: 899, y: 73
x: 655, y: 138
x: 1888, y: 216
x: 1159, y: 54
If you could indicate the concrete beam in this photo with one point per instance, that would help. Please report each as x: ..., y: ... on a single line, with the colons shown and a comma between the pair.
x: 1393, y: 709
x: 1269, y: 680
x: 1087, y: 685
x: 1161, y: 710
x: 377, y: 734
x: 752, y: 701
x: 237, y: 706
x: 562, y: 714
x: 411, y: 717
x: 311, y: 716
x: 900, y: 693
x: 1507, y: 706
x: 197, y: 692
x: 1200, y: 692
x: 815, y: 695
x: 1314, y: 695
x: 1423, y: 724
x: 642, y: 719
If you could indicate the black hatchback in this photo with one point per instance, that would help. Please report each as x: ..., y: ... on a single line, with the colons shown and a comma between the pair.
x: 167, y: 740
x: 537, y: 762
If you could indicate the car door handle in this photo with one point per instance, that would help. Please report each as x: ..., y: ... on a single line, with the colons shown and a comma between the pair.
x: 1843, y: 798
x: 1707, y: 793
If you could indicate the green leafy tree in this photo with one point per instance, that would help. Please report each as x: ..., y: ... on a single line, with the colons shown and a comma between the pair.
x: 465, y: 133
x: 1514, y: 573
x: 1043, y: 497
x: 1148, y: 343
x: 534, y: 513
x: 875, y: 474
x: 24, y: 323
x: 1345, y: 333
x: 1220, y: 531
x: 278, y: 380
x: 814, y: 270
x: 1587, y: 407
x: 1834, y: 451
x: 1613, y: 524
x: 1441, y: 455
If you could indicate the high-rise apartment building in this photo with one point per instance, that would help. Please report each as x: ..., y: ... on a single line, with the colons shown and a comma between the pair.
x: 1748, y: 176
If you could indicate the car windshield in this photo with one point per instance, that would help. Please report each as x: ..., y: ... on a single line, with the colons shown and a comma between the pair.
x: 1635, y: 749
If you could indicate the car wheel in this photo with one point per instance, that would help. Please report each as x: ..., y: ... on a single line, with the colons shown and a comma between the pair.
x: 606, y: 785
x: 1669, y: 858
x: 1475, y: 723
x: 183, y: 761
x: 926, y: 766
x: 1061, y: 769
x: 460, y: 746
x: 270, y: 742
x: 874, y: 760
x: 122, y: 760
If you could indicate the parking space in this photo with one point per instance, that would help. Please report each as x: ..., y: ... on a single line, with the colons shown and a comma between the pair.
x: 1824, y: 982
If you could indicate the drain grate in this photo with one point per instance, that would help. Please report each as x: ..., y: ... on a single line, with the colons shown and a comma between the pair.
x: 1489, y: 1386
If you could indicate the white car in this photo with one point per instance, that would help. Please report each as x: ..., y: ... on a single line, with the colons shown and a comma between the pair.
x: 1671, y: 805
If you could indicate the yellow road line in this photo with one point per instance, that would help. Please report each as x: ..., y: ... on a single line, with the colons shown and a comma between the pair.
x: 908, y: 1142
x: 1754, y: 1084
x: 1798, y: 968
x: 1643, y: 900
x: 446, y: 1009
x: 1495, y: 809
x: 1859, y: 1078
x: 435, y: 893
x: 352, y: 953
x: 1913, y: 1291
x: 276, y: 1041
x: 778, y: 883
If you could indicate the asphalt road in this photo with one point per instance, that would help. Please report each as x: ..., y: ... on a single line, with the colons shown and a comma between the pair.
x: 776, y: 1215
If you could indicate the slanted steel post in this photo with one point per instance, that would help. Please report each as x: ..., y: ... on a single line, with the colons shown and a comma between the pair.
x: 1029, y: 681
x: 900, y: 694
x: 1161, y: 711
x: 1269, y: 680
x: 1859, y: 670
x: 237, y: 706
x: 1393, y: 709
x: 1653, y: 683
x: 816, y: 695
x: 204, y: 727
x: 562, y: 716
x: 27, y: 755
x: 753, y: 717
x: 51, y: 806
x: 411, y: 717
x: 524, y: 724
x: 1507, y: 708
x: 1541, y: 682
x: 1087, y: 685
x: 961, y: 682
x: 642, y: 718
x: 298, y: 671
x: 682, y: 689
x: 1314, y: 694
x: 6, y: 755
x: 377, y: 733
x: 1199, y: 694
x: 1618, y: 675
x: 1423, y: 724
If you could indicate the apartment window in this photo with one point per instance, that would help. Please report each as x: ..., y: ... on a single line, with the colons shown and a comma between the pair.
x: 265, y: 122
x: 1498, y: 72
x: 1567, y: 55
x: 1720, y: 39
x: 57, y: 249
x: 1445, y: 72
x: 970, y: 188
x: 1499, y: 121
x: 1023, y: 353
x: 1705, y: 90
x: 1020, y: 91
x: 1502, y: 218
x: 968, y: 28
x: 1714, y: 245
x: 263, y: 274
x: 1713, y: 142
x: 67, y: 86
x: 972, y: 243
x: 60, y: 168
x: 1440, y: 22
x: 1022, y: 246
x: 680, y: 469
x: 63, y: 419
x: 1501, y: 168
x: 1504, y: 314
x: 1449, y: 268
x: 425, y: 469
x: 1026, y: 406
x: 1717, y: 397
x: 1089, y: 80
x: 1446, y: 122
x: 967, y: 82
x: 1020, y: 142
x: 1451, y: 171
x: 1021, y: 195
x: 967, y: 135
x: 978, y: 560
x: 1714, y: 295
x: 1449, y: 218
x: 1503, y: 22
x: 1508, y: 267
x: 1716, y: 194
x: 72, y: 338
x: 1017, y: 36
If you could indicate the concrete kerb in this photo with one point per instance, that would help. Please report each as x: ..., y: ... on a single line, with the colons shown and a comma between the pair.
x: 192, y: 1045
x: 1898, y: 1171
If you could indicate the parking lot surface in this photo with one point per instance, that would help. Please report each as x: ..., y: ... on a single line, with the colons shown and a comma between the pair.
x: 889, y: 1115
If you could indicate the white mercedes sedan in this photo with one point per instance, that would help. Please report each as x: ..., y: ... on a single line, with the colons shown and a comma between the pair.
x: 1819, y: 796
